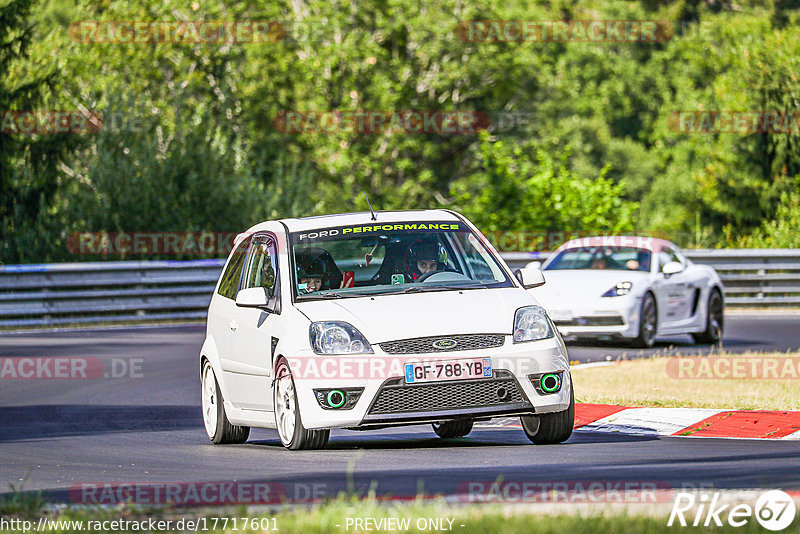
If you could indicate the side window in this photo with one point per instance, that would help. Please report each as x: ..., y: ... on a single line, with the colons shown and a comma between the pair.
x: 229, y: 284
x: 262, y: 267
x: 665, y: 256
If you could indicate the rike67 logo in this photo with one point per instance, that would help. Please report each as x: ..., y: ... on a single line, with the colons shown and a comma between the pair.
x: 774, y: 510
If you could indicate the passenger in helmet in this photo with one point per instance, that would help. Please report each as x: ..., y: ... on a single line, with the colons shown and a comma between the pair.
x: 423, y: 256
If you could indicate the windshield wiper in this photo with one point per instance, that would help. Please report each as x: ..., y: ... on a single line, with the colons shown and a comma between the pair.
x: 423, y: 289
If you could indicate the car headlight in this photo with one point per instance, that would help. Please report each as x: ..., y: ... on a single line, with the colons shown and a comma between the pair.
x: 337, y: 337
x: 623, y: 288
x: 530, y: 324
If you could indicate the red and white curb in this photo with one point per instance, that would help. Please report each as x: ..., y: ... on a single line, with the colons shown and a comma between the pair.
x: 681, y: 422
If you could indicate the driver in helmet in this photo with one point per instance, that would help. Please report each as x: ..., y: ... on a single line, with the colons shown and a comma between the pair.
x: 424, y: 256
x: 310, y: 275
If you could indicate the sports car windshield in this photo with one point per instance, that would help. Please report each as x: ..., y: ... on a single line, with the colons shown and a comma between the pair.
x: 607, y: 258
x: 386, y: 258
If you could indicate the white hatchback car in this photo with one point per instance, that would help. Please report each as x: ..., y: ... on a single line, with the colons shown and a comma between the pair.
x: 362, y: 321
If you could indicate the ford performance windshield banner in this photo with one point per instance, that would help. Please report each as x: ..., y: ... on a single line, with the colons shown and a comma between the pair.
x: 375, y: 229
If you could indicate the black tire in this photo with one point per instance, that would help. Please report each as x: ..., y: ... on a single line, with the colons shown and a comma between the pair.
x: 648, y: 323
x: 715, y: 320
x: 453, y: 429
x: 550, y: 428
x: 225, y: 432
x: 302, y: 438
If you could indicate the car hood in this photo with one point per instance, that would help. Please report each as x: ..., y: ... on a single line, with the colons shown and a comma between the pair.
x: 582, y: 284
x: 392, y: 317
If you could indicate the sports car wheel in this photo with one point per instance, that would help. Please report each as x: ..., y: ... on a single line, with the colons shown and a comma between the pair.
x: 715, y: 317
x: 648, y: 323
x: 550, y: 428
x: 452, y: 429
x: 218, y: 428
x: 293, y: 434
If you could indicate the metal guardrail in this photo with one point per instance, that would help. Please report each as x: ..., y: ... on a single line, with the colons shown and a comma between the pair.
x: 77, y: 293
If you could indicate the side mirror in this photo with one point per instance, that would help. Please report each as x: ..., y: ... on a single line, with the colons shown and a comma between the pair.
x: 530, y: 277
x: 534, y: 265
x: 253, y: 297
x: 673, y: 267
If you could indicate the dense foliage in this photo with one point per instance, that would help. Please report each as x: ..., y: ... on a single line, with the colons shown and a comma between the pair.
x: 581, y: 136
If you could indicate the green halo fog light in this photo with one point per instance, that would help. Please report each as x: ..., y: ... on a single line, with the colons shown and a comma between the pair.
x: 550, y: 382
x: 336, y: 398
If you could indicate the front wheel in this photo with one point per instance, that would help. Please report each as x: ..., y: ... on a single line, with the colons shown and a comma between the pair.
x: 550, y: 428
x: 218, y: 428
x: 294, y: 436
x: 714, y: 320
x: 648, y: 323
x: 452, y: 429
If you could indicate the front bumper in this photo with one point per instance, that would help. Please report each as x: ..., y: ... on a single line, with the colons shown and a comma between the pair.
x: 387, y: 400
x: 601, y: 317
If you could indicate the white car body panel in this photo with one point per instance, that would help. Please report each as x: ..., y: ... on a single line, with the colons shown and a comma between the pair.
x: 681, y: 298
x: 239, y: 341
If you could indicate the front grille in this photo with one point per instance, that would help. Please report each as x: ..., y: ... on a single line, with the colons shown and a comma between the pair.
x: 421, y: 345
x: 396, y: 396
x: 597, y: 320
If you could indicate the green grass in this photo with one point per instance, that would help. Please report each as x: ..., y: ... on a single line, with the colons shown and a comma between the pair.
x: 20, y: 503
x: 332, y: 518
x: 649, y: 382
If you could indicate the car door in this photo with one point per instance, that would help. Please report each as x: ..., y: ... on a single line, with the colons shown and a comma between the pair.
x: 255, y: 329
x: 222, y: 311
x: 673, y: 291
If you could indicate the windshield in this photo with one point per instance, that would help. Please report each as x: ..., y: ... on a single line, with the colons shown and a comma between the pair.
x: 608, y: 258
x: 388, y: 258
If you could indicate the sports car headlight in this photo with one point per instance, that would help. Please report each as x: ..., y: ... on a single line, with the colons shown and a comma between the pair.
x: 337, y: 337
x: 530, y: 324
x: 622, y: 288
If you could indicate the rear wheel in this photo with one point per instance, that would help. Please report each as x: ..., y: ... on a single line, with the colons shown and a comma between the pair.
x: 550, y: 428
x: 714, y: 320
x: 648, y: 323
x: 294, y: 436
x: 218, y: 428
x: 453, y: 429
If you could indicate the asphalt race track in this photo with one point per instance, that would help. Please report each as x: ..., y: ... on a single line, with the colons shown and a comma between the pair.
x: 146, y: 427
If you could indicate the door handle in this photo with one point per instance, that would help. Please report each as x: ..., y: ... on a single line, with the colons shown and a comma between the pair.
x: 234, y: 325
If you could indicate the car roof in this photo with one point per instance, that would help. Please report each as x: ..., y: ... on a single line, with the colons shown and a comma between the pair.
x: 649, y: 243
x: 303, y: 224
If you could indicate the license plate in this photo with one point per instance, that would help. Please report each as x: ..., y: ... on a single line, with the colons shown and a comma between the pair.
x: 448, y: 370
x: 560, y: 315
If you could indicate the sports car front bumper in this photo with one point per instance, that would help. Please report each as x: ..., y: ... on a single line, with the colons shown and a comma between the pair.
x: 599, y: 317
x: 387, y: 400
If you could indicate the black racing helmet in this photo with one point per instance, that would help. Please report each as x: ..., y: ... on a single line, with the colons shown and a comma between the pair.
x: 426, y: 250
x: 317, y: 262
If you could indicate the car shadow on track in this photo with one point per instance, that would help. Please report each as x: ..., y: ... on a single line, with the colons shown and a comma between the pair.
x: 19, y: 423
x: 506, y: 437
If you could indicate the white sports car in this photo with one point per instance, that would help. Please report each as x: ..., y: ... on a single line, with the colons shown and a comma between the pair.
x: 634, y: 288
x: 363, y: 321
